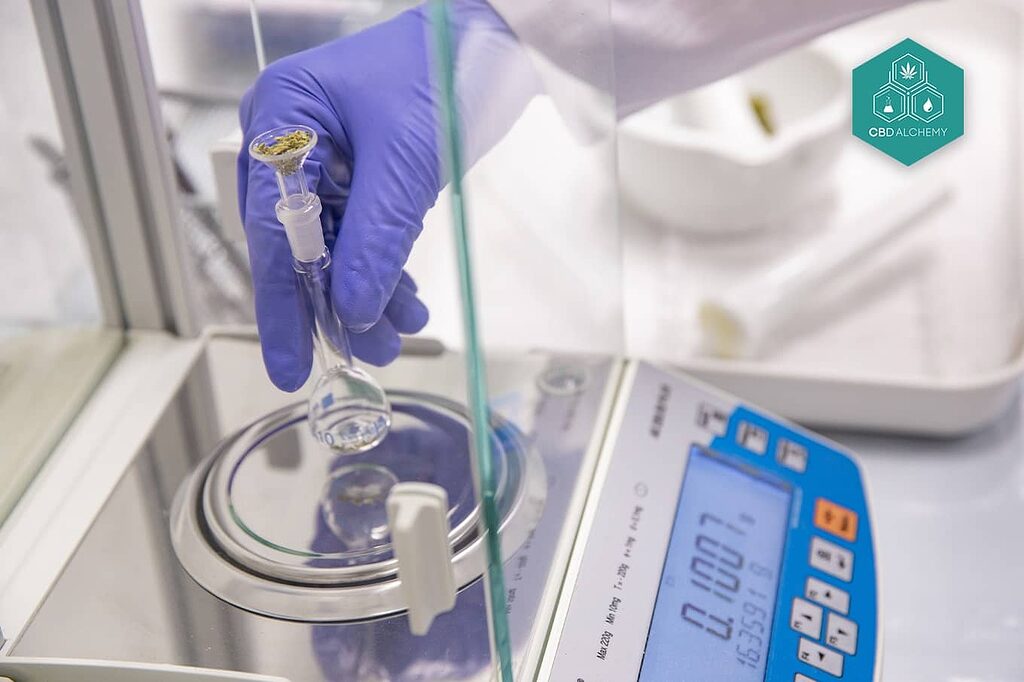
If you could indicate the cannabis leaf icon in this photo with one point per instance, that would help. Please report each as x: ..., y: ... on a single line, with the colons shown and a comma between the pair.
x: 908, y: 71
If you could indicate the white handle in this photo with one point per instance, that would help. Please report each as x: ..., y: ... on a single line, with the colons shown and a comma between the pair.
x: 737, y: 322
x: 869, y: 231
x: 418, y: 519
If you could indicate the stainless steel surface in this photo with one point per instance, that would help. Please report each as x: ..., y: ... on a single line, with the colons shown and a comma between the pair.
x: 259, y: 512
x: 124, y: 595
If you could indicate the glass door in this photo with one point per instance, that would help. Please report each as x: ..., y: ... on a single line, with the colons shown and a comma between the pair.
x: 527, y: 227
x: 60, y: 320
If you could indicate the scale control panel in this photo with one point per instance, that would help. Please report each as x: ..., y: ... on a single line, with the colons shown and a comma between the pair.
x: 724, y: 545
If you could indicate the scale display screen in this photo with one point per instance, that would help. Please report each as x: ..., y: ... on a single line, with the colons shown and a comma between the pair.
x: 713, y: 613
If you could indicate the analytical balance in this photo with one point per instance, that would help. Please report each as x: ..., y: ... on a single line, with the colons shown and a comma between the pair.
x: 652, y: 529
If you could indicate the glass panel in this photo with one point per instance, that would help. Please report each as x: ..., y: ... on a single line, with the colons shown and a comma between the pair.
x: 53, y: 347
x: 531, y: 156
x: 516, y: 397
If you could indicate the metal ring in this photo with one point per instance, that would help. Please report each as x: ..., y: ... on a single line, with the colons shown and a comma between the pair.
x: 367, y: 594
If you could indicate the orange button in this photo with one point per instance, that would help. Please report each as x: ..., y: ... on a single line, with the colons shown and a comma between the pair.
x: 839, y: 521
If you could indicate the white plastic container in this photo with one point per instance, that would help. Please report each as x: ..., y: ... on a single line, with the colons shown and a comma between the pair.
x: 683, y: 168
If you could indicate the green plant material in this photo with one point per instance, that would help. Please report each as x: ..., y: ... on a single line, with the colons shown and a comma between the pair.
x: 289, y: 142
x: 763, y: 110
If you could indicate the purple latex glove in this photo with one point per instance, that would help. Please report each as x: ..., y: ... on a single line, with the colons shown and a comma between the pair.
x: 371, y: 100
x: 376, y: 169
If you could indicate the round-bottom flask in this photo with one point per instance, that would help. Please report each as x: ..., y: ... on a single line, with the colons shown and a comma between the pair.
x: 348, y: 411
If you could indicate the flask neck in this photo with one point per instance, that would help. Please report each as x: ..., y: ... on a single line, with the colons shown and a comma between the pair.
x: 330, y: 339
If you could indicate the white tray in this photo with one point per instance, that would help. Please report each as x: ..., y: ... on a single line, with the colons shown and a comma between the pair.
x: 934, y: 349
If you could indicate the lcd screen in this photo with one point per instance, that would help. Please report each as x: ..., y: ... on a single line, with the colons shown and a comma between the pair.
x: 713, y: 613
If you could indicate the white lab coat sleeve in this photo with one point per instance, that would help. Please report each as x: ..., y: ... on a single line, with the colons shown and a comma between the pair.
x: 645, y: 50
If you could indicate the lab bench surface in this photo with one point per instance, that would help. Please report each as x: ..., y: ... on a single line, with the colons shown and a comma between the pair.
x: 948, y: 517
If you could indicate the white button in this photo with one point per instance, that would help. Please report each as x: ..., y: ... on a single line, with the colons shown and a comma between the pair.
x: 792, y: 455
x: 805, y: 618
x: 831, y: 559
x: 753, y: 438
x: 820, y: 657
x: 801, y: 678
x: 828, y: 595
x: 842, y: 633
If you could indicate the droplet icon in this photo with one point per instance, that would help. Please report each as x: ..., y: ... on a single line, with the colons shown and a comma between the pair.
x: 928, y: 106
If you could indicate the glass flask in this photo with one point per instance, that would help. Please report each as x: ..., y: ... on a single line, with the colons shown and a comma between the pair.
x: 348, y: 410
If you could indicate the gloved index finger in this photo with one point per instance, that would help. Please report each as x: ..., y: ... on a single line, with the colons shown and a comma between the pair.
x: 394, y: 183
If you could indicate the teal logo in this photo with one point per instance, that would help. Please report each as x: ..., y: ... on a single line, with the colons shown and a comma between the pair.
x: 908, y: 102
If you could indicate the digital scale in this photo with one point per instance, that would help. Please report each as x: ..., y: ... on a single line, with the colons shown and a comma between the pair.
x: 653, y: 528
x: 724, y: 544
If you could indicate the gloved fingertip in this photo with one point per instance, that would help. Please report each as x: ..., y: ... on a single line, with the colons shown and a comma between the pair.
x: 405, y: 279
x: 419, y: 316
x: 408, y: 314
x: 385, y: 353
x: 354, y: 300
x: 289, y: 383
x: 360, y: 328
x: 287, y: 373
x: 377, y: 346
x: 358, y: 310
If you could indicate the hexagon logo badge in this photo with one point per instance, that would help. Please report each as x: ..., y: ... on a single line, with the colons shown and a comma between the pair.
x: 908, y: 102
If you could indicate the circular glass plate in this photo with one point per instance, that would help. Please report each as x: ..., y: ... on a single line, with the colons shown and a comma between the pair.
x: 286, y: 507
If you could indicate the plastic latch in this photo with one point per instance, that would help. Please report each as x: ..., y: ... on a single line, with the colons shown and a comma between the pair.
x: 418, y: 519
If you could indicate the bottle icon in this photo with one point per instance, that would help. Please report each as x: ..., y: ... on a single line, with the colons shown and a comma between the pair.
x: 887, y: 109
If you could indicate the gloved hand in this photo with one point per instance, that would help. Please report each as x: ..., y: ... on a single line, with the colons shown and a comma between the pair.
x: 376, y: 167
x: 377, y: 171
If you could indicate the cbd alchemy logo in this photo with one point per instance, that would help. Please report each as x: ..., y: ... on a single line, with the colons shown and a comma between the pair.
x: 908, y: 102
